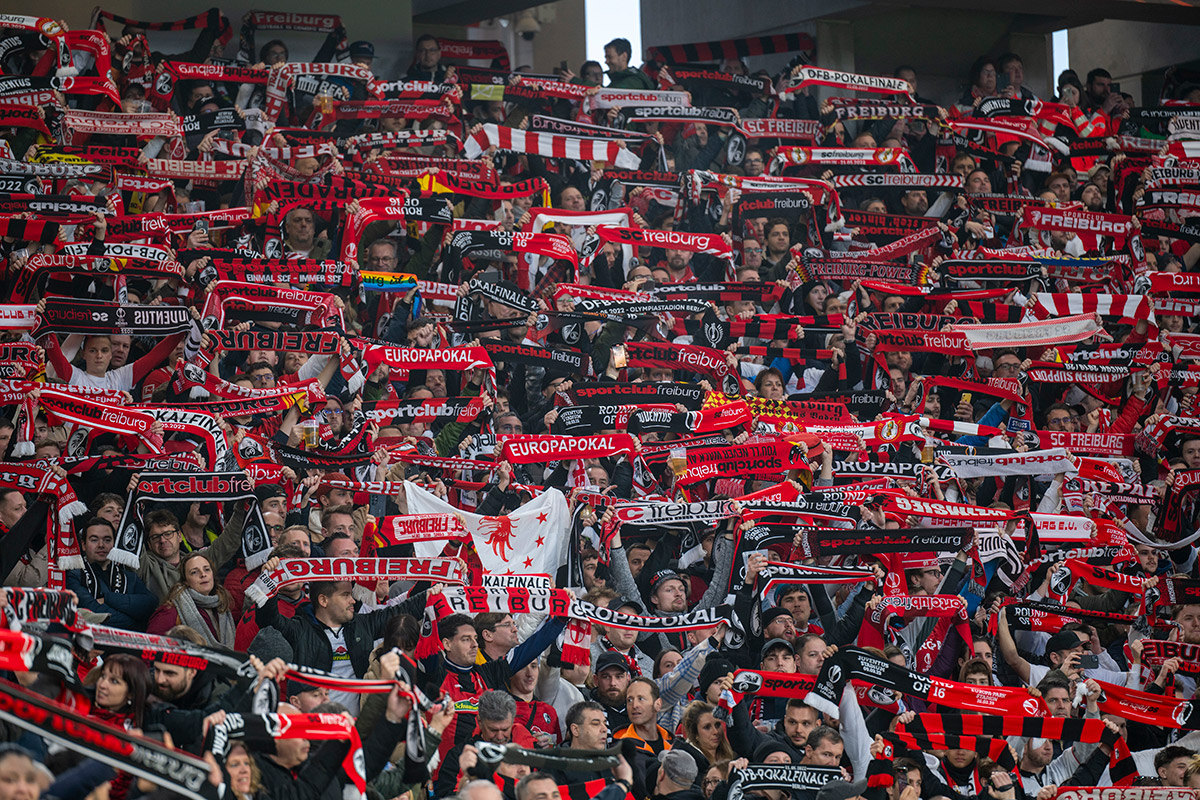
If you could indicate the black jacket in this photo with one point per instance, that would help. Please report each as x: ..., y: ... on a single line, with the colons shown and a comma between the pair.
x: 310, y: 644
x: 744, y: 738
x: 618, y: 718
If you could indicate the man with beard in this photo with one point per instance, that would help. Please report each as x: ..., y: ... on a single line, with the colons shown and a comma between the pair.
x: 914, y: 203
x: 679, y: 263
x: 190, y: 693
x: 666, y: 590
x: 791, y: 732
x: 612, y: 681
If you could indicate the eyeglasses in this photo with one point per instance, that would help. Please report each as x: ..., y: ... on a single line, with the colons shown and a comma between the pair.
x: 509, y: 624
x: 755, y: 250
x: 1005, y: 368
x: 711, y: 781
x: 264, y: 378
x: 164, y: 535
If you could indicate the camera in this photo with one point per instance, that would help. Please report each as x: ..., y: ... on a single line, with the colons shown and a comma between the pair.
x: 527, y: 26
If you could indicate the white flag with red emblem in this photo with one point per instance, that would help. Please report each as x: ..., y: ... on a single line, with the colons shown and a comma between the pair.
x: 531, y: 540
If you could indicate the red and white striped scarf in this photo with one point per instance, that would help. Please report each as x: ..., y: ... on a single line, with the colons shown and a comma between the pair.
x: 550, y: 145
x: 1125, y: 306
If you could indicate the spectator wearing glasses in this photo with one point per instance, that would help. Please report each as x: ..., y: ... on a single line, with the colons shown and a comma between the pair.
x: 778, y: 623
x: 1059, y: 418
x: 261, y: 375
x: 1006, y: 364
x: 383, y: 255
x: 159, y: 569
x: 509, y: 423
x: 427, y: 62
x: 754, y: 163
x: 497, y: 636
x: 752, y: 253
x: 924, y: 581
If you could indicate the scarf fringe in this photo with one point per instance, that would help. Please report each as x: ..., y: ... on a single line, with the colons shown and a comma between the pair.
x: 256, y: 560
x: 823, y: 705
x: 124, y: 558
x: 70, y: 511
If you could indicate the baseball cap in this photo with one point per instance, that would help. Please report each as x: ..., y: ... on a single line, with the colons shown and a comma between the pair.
x: 679, y: 767
x: 842, y: 790
x: 611, y: 658
x: 1063, y: 640
x: 771, y: 645
x: 622, y: 602
x: 299, y: 687
x: 362, y: 49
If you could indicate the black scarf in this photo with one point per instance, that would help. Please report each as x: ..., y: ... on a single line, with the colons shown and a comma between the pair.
x: 180, y: 772
x: 117, y: 579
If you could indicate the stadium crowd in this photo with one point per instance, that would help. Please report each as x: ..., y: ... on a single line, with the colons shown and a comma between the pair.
x: 648, y: 431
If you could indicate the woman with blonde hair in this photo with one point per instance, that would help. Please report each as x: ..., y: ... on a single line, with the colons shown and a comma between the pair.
x: 198, y: 602
x: 244, y: 778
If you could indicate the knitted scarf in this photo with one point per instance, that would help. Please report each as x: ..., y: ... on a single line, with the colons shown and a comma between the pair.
x: 548, y: 145
x: 60, y: 537
x: 189, y: 603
